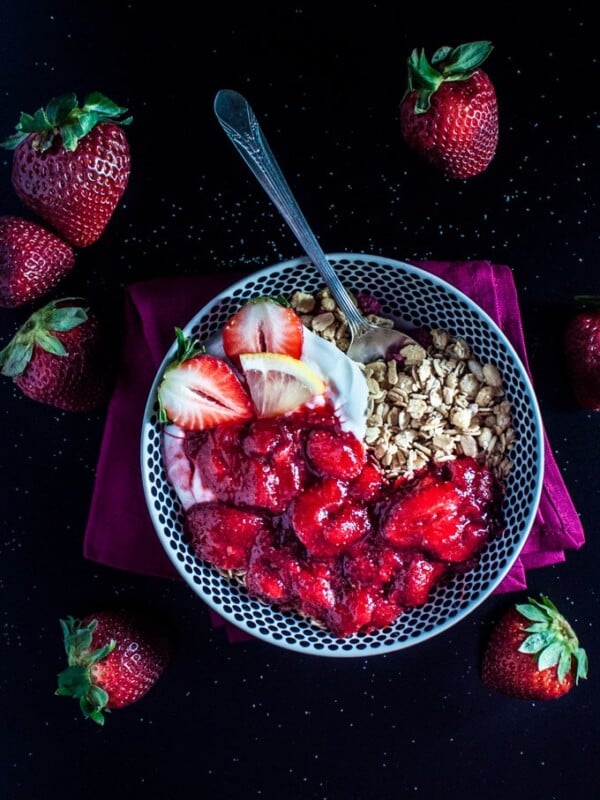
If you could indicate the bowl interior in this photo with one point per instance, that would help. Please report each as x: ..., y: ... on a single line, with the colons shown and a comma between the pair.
x: 425, y: 301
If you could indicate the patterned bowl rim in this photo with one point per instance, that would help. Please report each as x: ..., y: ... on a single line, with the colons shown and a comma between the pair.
x: 346, y: 651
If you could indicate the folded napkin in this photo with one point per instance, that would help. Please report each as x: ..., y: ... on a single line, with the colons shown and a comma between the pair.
x: 119, y: 532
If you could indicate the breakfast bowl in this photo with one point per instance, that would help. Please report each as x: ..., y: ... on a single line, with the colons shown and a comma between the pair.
x: 425, y: 302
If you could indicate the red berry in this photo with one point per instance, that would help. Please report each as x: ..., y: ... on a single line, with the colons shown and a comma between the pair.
x: 60, y: 356
x: 32, y: 261
x: 71, y: 165
x: 264, y: 325
x: 449, y: 114
x: 114, y: 658
x: 582, y: 351
x: 533, y: 653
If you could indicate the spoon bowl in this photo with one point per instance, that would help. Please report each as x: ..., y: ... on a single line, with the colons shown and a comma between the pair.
x: 368, y: 341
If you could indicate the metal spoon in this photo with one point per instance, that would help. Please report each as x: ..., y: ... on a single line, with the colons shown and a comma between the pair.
x: 367, y: 340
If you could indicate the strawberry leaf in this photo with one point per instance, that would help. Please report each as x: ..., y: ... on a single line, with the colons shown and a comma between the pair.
x: 532, y: 612
x: 66, y: 318
x: 74, y: 681
x: 550, y: 655
x: 440, y: 55
x: 62, y: 115
x: 564, y: 665
x: 187, y: 347
x: 104, y: 108
x: 15, y: 357
x: 100, y: 653
x: 90, y: 708
x: 582, y: 664
x: 33, y: 124
x: 60, y: 107
x: 461, y: 62
x: 536, y: 642
x: 50, y: 343
x: 76, y: 638
x: 537, y: 627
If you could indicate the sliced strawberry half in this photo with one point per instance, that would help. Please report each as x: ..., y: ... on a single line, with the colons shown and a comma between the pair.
x: 199, y: 391
x: 264, y: 325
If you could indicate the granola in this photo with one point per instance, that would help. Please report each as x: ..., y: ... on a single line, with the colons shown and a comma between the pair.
x: 431, y: 403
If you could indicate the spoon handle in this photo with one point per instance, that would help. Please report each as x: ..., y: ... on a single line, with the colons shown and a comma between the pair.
x: 241, y: 126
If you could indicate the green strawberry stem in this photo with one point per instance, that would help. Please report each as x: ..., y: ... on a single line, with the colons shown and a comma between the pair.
x: 63, y: 116
x: 76, y: 680
x: 552, y: 639
x: 17, y: 354
x: 447, y: 64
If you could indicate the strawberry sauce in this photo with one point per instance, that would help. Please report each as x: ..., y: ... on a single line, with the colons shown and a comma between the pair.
x: 310, y: 523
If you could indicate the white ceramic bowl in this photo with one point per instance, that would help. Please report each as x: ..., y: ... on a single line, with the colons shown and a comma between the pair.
x: 426, y: 301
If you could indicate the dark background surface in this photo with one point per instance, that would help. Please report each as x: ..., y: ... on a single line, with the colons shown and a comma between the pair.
x: 250, y: 720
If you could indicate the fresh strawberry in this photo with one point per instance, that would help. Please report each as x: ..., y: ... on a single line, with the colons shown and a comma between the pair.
x: 533, y: 653
x: 32, y: 261
x: 71, y: 165
x: 449, y: 113
x: 60, y: 356
x: 264, y: 325
x: 199, y: 391
x: 114, y: 658
x: 582, y: 351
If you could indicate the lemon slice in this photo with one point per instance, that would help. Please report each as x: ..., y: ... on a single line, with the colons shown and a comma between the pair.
x: 279, y: 383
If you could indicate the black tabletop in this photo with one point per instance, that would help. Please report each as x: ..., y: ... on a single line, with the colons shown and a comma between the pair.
x: 250, y: 719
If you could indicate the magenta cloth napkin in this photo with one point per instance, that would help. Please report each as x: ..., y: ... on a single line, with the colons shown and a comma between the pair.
x: 119, y: 532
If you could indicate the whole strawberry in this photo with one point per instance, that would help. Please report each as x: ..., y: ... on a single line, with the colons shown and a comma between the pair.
x: 533, y: 653
x: 71, y: 165
x: 60, y: 357
x: 114, y: 658
x: 449, y: 113
x: 32, y: 261
x: 582, y: 352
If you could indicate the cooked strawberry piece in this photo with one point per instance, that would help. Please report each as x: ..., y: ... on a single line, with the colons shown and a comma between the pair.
x: 369, y: 562
x: 230, y: 463
x: 411, y: 517
x: 264, y: 325
x: 335, y: 454
x: 385, y: 613
x: 353, y: 611
x: 224, y: 535
x: 199, y: 391
x: 272, y: 570
x: 447, y: 513
x: 413, y: 584
x: 267, y: 486
x: 314, y: 590
x: 369, y: 482
x: 324, y: 521
x: 269, y: 437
